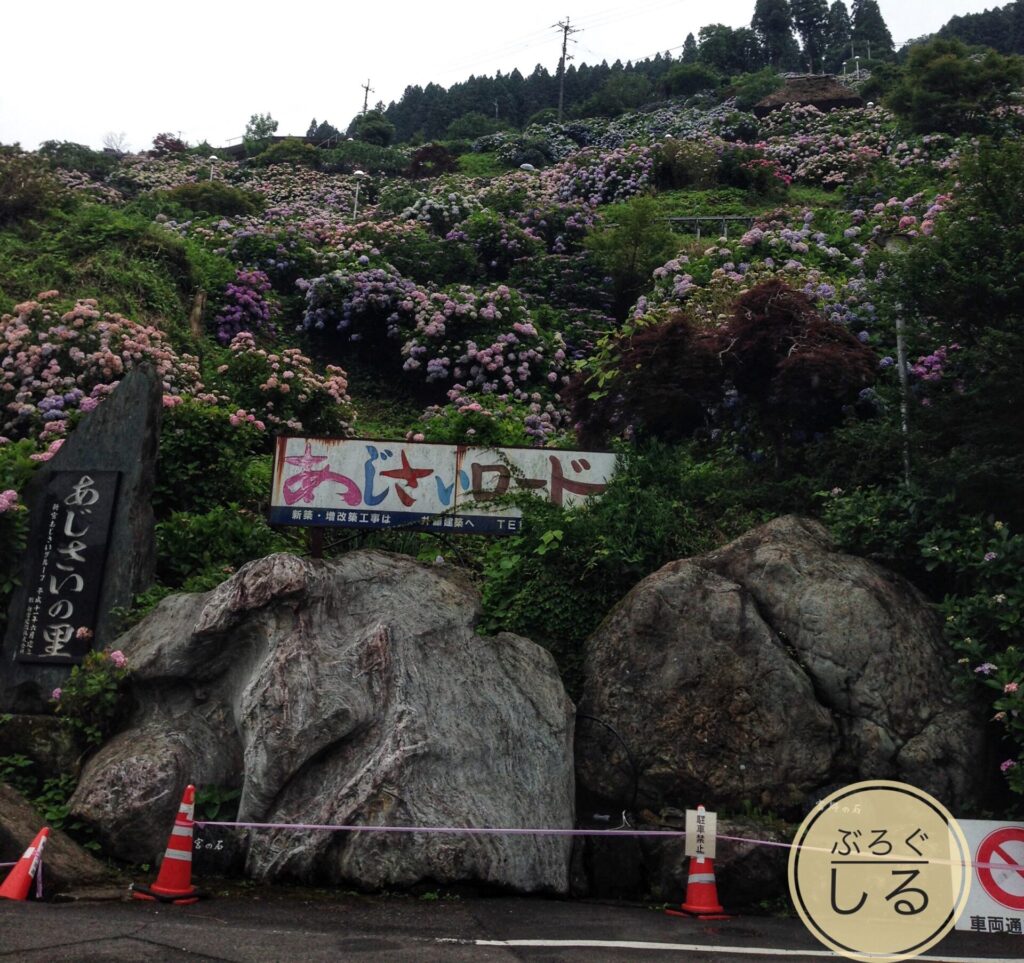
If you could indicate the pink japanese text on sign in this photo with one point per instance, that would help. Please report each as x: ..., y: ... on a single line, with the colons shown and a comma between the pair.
x: 361, y: 483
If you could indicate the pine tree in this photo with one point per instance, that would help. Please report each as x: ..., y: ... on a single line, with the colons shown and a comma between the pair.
x: 838, y: 32
x: 871, y: 36
x: 773, y: 24
x: 690, y: 49
x: 730, y: 51
x: 810, y: 17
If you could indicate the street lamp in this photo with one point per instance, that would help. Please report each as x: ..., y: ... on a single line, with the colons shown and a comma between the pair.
x: 213, y: 160
x: 360, y: 177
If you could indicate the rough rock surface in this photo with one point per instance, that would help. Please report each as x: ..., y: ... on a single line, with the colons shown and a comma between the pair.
x: 766, y: 671
x: 344, y: 692
x: 763, y: 674
x: 52, y: 747
x: 66, y: 865
x: 704, y: 695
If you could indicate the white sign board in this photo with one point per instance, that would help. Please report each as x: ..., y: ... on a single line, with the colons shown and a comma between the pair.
x: 996, y: 902
x: 701, y: 827
x: 360, y: 483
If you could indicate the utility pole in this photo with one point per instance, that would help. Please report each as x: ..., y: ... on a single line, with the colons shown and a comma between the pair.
x: 367, y: 90
x: 567, y: 31
x: 495, y: 110
x: 901, y: 361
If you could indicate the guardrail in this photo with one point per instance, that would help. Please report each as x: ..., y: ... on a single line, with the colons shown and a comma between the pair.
x: 723, y: 219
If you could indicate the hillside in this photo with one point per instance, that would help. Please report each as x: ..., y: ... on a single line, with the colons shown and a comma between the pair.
x: 724, y: 300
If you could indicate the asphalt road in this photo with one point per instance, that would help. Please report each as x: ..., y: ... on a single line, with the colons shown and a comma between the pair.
x: 275, y: 924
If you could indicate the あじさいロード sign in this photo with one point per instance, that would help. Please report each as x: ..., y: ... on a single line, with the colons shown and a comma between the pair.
x: 364, y: 483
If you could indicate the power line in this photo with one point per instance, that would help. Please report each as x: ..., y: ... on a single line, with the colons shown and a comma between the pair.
x: 538, y: 38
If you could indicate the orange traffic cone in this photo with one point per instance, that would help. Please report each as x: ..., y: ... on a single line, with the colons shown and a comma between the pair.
x: 19, y: 879
x: 174, y: 881
x: 701, y: 892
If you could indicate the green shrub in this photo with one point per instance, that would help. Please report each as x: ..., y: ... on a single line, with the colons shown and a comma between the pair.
x: 92, y: 699
x: 353, y: 155
x: 684, y: 80
x: 16, y: 467
x: 983, y: 562
x: 498, y: 242
x: 204, y: 459
x: 291, y: 150
x: 425, y: 258
x: 751, y: 88
x: 210, y: 545
x: 685, y: 164
x: 557, y: 581
x: 947, y: 87
x: 213, y: 197
x: 117, y: 256
x: 472, y: 125
x: 749, y: 169
x: 501, y: 424
x: 372, y: 127
x: 27, y: 187
x: 634, y: 240
x: 77, y: 157
x: 480, y: 165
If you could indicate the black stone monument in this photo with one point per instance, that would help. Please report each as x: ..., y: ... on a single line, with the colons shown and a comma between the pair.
x: 91, y: 543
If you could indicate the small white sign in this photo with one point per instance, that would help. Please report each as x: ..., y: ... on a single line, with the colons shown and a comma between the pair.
x: 701, y: 827
x: 996, y: 902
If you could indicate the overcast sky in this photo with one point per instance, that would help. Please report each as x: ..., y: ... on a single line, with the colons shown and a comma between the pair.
x: 75, y: 70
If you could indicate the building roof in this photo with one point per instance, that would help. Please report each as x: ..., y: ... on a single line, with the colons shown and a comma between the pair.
x: 823, y: 91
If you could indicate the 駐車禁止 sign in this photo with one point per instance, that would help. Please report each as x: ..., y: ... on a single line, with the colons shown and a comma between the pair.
x: 358, y: 483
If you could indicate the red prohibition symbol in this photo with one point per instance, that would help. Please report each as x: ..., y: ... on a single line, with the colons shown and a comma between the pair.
x: 1005, y: 886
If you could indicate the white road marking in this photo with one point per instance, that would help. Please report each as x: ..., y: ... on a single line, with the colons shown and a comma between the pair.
x: 699, y: 948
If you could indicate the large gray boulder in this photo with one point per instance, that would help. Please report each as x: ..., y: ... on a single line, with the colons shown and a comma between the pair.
x: 347, y: 692
x: 767, y: 671
x: 708, y: 700
x: 66, y: 865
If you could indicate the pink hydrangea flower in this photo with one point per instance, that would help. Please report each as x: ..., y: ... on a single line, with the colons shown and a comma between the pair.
x: 52, y: 450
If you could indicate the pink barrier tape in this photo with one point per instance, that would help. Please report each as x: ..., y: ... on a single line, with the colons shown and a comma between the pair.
x: 470, y: 831
x: 755, y: 842
x: 492, y: 831
x: 1019, y: 867
x: 39, y: 876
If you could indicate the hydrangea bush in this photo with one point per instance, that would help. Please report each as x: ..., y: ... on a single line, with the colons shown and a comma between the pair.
x: 54, y: 363
x: 246, y: 308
